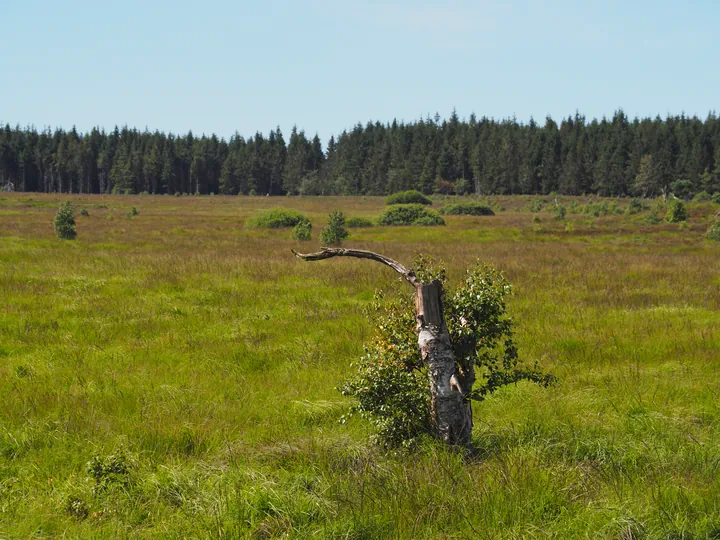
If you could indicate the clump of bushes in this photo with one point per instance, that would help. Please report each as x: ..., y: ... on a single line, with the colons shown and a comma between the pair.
x: 302, y: 231
x: 559, y: 212
x: 716, y: 198
x: 603, y: 208
x: 635, y: 207
x: 409, y: 214
x: 702, y: 196
x: 276, y: 219
x: 335, y: 231
x: 358, y: 222
x: 84, y: 212
x: 467, y: 209
x: 676, y: 212
x: 65, y: 222
x: 408, y: 197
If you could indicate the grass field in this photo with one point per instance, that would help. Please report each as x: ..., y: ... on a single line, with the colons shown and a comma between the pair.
x: 193, y: 363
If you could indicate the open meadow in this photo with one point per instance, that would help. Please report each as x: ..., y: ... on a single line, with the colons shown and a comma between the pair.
x: 174, y: 373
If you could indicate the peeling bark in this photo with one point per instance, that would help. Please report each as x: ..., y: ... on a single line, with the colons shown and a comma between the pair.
x: 449, y: 387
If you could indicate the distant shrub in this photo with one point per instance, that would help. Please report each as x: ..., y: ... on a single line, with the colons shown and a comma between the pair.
x: 559, y: 212
x: 409, y: 214
x: 334, y: 233
x: 716, y: 198
x: 676, y: 212
x: 713, y: 232
x: 702, y: 196
x: 536, y: 205
x: 635, y: 207
x: 275, y: 219
x: 133, y: 211
x: 682, y: 188
x: 65, y: 222
x: 603, y: 208
x: 569, y: 227
x: 84, y: 212
x: 536, y: 219
x: 178, y: 194
x: 408, y: 197
x: 358, y: 222
x: 144, y: 193
x: 302, y: 231
x: 467, y: 209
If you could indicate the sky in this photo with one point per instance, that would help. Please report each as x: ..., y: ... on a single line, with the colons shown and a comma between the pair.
x: 224, y: 66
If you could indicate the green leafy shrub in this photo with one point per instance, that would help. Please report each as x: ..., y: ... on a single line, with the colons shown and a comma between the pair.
x: 682, y: 188
x: 559, y: 212
x: 276, y: 218
x: 409, y: 214
x: 391, y: 384
x: 536, y: 205
x: 716, y: 198
x: 334, y: 233
x: 65, y: 222
x: 358, y: 222
x: 603, y: 208
x: 713, y: 232
x: 408, y: 197
x: 634, y: 207
x: 536, y: 219
x: 84, y: 212
x: 302, y: 231
x: 467, y: 209
x: 676, y: 212
x: 701, y: 197
x: 108, y: 471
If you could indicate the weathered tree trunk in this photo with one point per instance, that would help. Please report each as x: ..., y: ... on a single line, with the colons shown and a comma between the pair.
x: 449, y: 388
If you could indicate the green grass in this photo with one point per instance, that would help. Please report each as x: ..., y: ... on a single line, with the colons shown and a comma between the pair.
x: 205, y: 358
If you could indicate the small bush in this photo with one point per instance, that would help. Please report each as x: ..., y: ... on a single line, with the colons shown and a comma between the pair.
x: 409, y: 214
x: 559, y: 213
x: 713, y: 232
x: 716, y: 198
x: 178, y: 194
x: 335, y: 231
x: 635, y: 207
x: 701, y: 197
x: 408, y: 197
x: 65, y: 222
x: 358, y: 222
x: 536, y: 205
x: 653, y: 217
x: 76, y: 507
x: 467, y: 209
x: 536, y: 219
x: 302, y: 231
x: 676, y: 212
x: 275, y: 219
x: 134, y: 211
x: 109, y: 470
x: 84, y: 212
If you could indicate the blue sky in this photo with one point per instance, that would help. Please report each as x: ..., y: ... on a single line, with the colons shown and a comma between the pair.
x: 221, y: 66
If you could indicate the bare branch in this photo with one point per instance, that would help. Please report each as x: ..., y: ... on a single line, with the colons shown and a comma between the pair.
x: 329, y: 253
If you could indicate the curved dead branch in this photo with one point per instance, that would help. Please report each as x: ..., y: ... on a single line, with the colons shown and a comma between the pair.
x: 329, y: 253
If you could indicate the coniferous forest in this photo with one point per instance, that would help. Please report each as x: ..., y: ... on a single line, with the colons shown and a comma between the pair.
x: 609, y: 157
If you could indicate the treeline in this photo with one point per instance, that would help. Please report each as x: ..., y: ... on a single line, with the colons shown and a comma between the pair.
x: 612, y: 157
